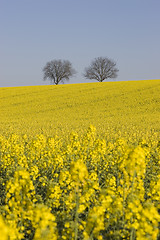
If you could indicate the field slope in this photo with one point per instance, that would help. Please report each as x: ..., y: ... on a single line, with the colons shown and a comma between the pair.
x: 121, y: 106
x: 102, y: 184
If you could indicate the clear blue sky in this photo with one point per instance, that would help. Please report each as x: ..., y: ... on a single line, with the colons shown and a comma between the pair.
x: 33, y: 32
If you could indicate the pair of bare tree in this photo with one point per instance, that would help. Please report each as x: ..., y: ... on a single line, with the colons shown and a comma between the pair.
x: 100, y: 69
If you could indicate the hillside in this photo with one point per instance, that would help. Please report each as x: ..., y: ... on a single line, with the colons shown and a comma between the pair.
x: 108, y: 106
x: 90, y: 185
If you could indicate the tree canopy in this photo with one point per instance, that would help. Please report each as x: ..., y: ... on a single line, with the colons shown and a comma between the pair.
x: 100, y: 69
x: 58, y: 71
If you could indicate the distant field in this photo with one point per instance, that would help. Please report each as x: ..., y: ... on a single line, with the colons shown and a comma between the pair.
x: 100, y: 183
x: 109, y: 106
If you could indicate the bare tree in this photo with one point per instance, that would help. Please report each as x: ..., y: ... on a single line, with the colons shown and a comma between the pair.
x: 100, y: 69
x: 58, y: 71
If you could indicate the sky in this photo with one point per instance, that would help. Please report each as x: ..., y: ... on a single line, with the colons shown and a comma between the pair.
x: 34, y: 32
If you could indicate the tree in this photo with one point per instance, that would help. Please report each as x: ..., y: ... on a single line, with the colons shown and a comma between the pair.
x: 58, y: 71
x: 100, y: 69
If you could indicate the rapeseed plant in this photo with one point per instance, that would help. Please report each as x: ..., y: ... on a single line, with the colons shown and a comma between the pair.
x: 61, y: 181
x: 80, y: 187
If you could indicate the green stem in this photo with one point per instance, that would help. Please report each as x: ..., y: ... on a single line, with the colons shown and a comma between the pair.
x: 132, y: 234
x: 76, y: 213
x: 134, y: 175
x: 132, y: 230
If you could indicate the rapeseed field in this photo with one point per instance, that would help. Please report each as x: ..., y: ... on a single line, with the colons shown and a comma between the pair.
x: 112, y: 106
x: 80, y: 161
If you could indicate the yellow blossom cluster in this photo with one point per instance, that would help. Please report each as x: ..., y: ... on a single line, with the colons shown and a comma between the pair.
x: 81, y: 187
